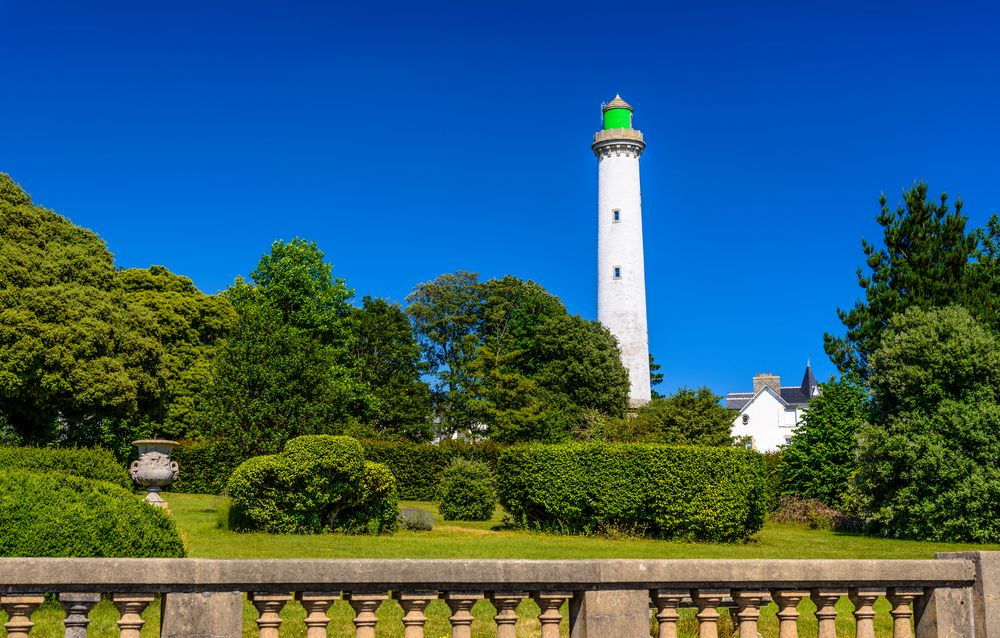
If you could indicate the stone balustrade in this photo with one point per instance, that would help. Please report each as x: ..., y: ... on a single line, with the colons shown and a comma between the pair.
x: 954, y: 595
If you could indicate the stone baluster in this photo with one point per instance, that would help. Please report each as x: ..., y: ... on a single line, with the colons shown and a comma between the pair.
x: 667, y: 601
x: 414, y: 604
x: 826, y: 612
x: 77, y: 607
x: 365, y: 606
x: 19, y: 608
x: 131, y: 606
x: 460, y: 604
x: 549, y: 602
x: 708, y: 601
x: 316, y: 604
x: 506, y: 603
x: 748, y: 604
x: 900, y: 599
x: 864, y: 612
x: 268, y: 605
x: 788, y: 613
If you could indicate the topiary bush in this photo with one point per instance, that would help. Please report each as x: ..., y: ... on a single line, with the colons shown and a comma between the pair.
x: 91, y: 463
x: 468, y: 491
x: 419, y: 467
x: 377, y: 508
x: 60, y: 515
x: 316, y: 483
x: 672, y: 492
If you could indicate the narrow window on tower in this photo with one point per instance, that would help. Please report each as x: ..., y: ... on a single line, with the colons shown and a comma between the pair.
x: 616, y: 216
x: 618, y: 272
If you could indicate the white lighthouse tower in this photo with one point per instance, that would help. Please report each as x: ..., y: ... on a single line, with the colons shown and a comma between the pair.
x: 621, y: 282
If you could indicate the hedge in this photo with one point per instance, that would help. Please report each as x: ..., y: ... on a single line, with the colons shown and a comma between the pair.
x: 59, y: 515
x: 419, y: 467
x: 316, y: 483
x: 91, y: 463
x: 671, y: 492
x: 206, y: 466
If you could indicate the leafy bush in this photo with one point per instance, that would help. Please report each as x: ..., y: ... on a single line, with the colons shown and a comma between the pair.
x: 822, y: 456
x: 416, y: 519
x: 468, y: 491
x: 91, y: 463
x: 317, y: 482
x: 60, y: 515
x: 377, y: 509
x: 928, y: 459
x: 693, y: 493
x: 205, y: 466
x: 419, y: 468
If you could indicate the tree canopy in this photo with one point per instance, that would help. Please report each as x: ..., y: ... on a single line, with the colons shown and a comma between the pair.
x: 927, y: 259
x: 927, y: 463
x: 90, y: 354
x: 509, y: 362
x: 820, y: 460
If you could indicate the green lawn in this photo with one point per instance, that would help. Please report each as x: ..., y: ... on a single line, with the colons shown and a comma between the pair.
x: 198, y: 515
x: 197, y: 520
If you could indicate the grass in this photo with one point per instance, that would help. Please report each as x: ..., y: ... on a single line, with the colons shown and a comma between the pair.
x: 198, y: 521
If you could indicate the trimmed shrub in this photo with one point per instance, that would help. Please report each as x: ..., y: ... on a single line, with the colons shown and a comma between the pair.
x: 60, y: 515
x: 419, y: 467
x: 96, y: 464
x: 377, y: 511
x: 317, y: 483
x: 416, y: 519
x: 468, y: 491
x: 206, y: 465
x: 662, y: 491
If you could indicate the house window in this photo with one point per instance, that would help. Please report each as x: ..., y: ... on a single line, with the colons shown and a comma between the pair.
x: 618, y: 272
x: 746, y: 419
x: 616, y: 216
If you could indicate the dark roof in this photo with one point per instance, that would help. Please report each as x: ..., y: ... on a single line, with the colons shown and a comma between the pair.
x: 737, y: 400
x: 790, y: 394
x: 808, y: 382
x: 794, y: 395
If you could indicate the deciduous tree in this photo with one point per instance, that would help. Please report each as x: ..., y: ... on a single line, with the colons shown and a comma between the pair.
x: 929, y: 460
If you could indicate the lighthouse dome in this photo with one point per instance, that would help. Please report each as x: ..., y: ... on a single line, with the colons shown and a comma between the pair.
x: 617, y: 114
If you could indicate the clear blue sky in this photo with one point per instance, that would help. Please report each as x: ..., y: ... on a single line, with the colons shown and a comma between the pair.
x: 414, y: 139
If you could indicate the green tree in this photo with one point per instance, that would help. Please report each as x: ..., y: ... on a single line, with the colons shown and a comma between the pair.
x: 923, y: 262
x: 821, y: 459
x: 580, y: 360
x: 387, y: 360
x: 287, y: 370
x: 188, y: 324
x: 295, y: 279
x: 655, y: 377
x: 272, y: 382
x: 687, y: 417
x: 90, y: 354
x: 446, y: 314
x: 928, y: 461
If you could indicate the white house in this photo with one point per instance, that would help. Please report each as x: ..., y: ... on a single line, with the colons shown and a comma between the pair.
x: 769, y: 415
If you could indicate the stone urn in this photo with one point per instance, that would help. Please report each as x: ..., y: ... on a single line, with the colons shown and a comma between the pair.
x: 154, y: 469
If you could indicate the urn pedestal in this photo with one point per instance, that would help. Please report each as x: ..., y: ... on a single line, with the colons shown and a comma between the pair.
x: 154, y: 469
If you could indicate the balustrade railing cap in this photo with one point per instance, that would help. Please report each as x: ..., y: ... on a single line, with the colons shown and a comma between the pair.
x: 201, y: 574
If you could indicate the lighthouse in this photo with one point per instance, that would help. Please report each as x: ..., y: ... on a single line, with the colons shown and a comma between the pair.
x: 621, y: 283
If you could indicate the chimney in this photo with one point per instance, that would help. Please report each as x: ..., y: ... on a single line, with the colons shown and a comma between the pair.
x: 761, y: 380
